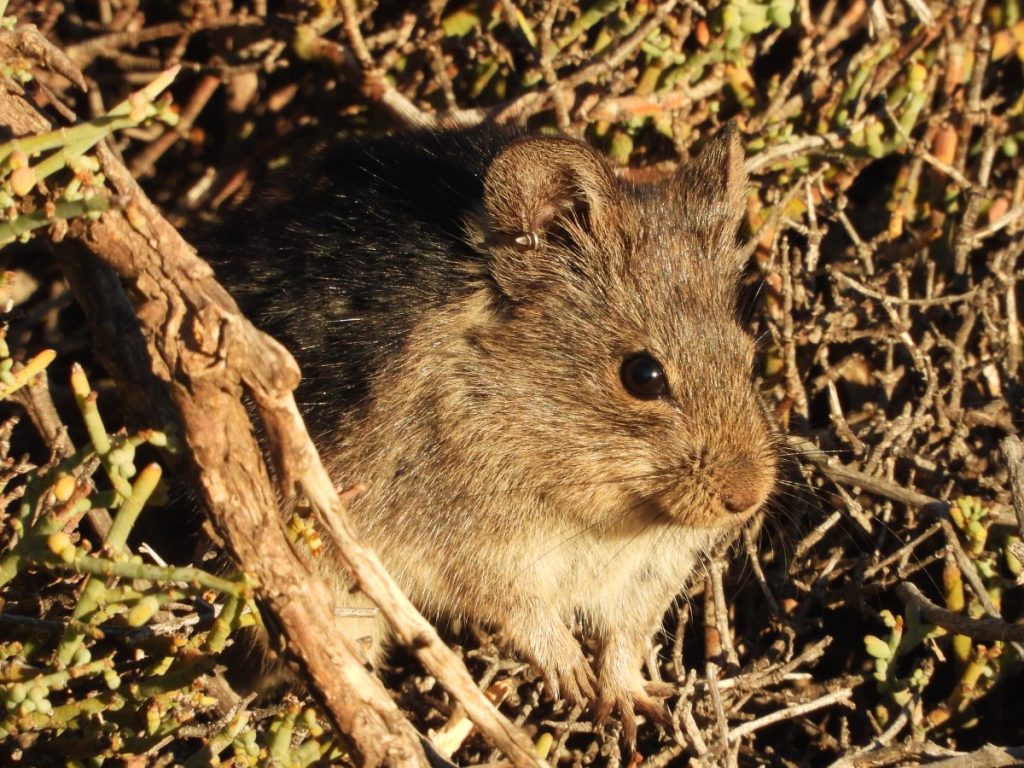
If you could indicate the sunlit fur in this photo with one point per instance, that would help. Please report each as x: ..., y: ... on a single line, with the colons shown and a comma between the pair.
x: 511, y: 478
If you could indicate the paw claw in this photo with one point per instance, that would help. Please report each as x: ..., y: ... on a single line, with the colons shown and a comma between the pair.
x: 574, y: 684
x: 660, y: 690
x: 648, y: 701
x: 654, y: 709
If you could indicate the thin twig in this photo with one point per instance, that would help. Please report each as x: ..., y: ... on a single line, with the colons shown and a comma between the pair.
x: 1013, y: 450
x: 836, y: 697
x: 843, y: 474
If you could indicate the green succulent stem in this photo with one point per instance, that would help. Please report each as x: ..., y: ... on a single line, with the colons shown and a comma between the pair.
x: 180, y: 678
x: 27, y: 372
x: 79, y: 139
x: 281, y: 735
x: 223, y: 624
x: 586, y: 20
x: 145, y: 483
x: 220, y: 742
x: 103, y: 568
x: 63, y: 210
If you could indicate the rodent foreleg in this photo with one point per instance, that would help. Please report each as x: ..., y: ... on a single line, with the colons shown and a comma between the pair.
x: 541, y: 635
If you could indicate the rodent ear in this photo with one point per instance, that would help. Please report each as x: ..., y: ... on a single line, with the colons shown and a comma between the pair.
x: 536, y: 185
x: 711, y: 188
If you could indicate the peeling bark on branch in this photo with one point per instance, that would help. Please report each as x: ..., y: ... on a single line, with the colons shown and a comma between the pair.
x: 208, y: 355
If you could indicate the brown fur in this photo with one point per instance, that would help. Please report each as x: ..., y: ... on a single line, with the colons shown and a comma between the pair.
x: 512, y: 479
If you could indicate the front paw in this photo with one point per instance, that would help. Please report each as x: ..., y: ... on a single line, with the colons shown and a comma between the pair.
x: 571, y: 679
x: 558, y: 656
x: 630, y: 698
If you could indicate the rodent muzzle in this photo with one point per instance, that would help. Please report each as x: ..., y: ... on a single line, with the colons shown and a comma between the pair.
x: 731, y: 482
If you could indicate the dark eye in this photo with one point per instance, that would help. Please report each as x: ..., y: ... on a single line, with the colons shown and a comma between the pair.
x: 643, y: 376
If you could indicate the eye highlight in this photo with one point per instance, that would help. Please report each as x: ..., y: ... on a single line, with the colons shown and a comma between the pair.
x: 643, y: 376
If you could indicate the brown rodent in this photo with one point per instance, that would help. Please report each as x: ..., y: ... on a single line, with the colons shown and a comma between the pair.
x: 537, y: 370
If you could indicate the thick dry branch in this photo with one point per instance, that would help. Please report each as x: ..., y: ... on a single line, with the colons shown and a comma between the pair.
x: 115, y: 336
x: 983, y: 630
x: 207, y: 354
x: 220, y: 352
x: 202, y: 347
x: 989, y: 756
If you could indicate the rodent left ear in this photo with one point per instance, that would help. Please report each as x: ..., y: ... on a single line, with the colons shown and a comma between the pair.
x: 711, y: 188
x: 533, y: 181
x: 536, y: 185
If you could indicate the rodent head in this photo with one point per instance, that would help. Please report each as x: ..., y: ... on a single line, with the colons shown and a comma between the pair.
x: 606, y: 348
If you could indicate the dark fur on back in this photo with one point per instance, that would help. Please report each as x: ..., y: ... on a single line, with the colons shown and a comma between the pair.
x: 393, y: 211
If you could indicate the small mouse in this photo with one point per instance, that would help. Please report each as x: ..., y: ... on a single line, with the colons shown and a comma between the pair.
x: 536, y: 369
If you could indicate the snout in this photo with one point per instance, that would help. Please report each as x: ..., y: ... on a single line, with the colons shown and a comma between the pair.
x: 734, y: 478
x: 742, y: 489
